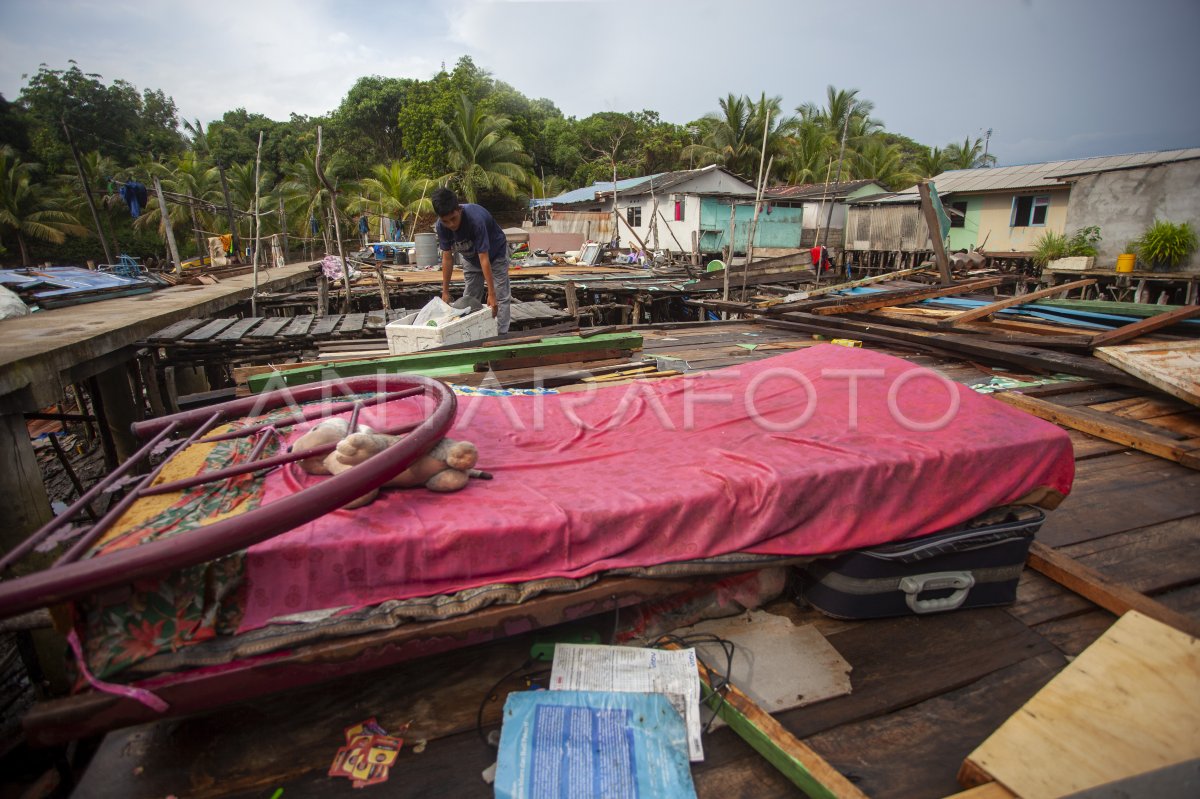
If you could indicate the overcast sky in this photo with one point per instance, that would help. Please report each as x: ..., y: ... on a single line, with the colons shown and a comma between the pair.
x: 1052, y: 78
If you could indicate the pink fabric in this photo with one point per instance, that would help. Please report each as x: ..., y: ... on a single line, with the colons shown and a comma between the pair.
x: 672, y: 470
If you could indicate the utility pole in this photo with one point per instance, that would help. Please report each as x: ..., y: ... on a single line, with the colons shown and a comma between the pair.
x: 87, y: 191
x: 833, y: 200
x: 987, y: 137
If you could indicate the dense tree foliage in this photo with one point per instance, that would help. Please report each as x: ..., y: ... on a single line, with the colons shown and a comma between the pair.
x: 386, y: 145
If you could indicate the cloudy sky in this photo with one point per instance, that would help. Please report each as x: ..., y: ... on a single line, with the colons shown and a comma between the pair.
x: 1052, y: 78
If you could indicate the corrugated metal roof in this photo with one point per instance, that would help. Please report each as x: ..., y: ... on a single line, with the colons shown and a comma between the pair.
x: 588, y: 193
x: 1047, y: 174
x: 816, y: 190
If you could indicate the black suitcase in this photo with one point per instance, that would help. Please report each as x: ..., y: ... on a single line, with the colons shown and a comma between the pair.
x: 973, y: 565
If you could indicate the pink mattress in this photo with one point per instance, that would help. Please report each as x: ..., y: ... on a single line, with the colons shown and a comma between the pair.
x: 817, y: 451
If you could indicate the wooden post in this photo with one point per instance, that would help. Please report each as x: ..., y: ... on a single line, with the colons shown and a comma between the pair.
x: 166, y: 222
x: 87, y: 192
x: 695, y: 248
x: 337, y: 229
x: 283, y: 231
x: 23, y: 498
x: 572, y: 299
x: 729, y: 257
x: 237, y: 242
x: 257, y: 230
x: 119, y: 409
x: 935, y: 232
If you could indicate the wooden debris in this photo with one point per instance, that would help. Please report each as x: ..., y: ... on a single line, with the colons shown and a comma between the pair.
x: 1130, y: 703
x: 1173, y: 367
x: 1128, y: 433
x: 991, y: 308
x: 1144, y: 326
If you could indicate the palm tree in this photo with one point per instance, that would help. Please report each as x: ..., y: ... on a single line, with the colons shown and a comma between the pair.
x: 27, y: 208
x: 968, y: 155
x: 483, y: 155
x: 197, y: 185
x: 884, y: 163
x: 396, y: 189
x: 806, y: 153
x: 932, y: 163
x: 727, y: 138
x: 305, y: 196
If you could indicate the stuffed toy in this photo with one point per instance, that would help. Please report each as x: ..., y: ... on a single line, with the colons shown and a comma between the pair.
x: 445, y: 468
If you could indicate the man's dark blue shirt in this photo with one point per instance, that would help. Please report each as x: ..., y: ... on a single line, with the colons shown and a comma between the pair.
x: 477, y: 233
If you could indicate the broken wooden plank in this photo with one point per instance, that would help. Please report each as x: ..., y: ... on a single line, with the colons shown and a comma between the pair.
x: 1173, y: 367
x: 1106, y: 426
x: 960, y: 344
x: 807, y: 770
x: 552, y: 359
x: 868, y: 302
x: 991, y: 308
x: 1095, y: 587
x: 1130, y: 703
x: 1143, y: 326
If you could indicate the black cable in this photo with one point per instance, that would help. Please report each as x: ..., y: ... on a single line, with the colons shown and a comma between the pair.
x: 718, y: 683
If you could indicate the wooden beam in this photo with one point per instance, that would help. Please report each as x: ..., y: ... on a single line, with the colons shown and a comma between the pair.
x: 988, y: 310
x: 1094, y: 586
x: 988, y: 790
x: 807, y: 770
x: 866, y: 281
x: 1143, y: 326
x: 865, y: 302
x: 1106, y: 426
x: 935, y: 231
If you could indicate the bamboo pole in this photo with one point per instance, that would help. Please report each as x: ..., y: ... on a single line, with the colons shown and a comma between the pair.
x: 233, y: 231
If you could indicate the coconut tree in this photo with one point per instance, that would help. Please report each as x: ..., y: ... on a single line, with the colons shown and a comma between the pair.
x: 29, y: 209
x: 931, y: 163
x: 197, y: 186
x: 884, y: 163
x: 396, y: 190
x: 482, y: 154
x: 968, y: 155
x: 807, y: 153
x: 305, y: 196
x: 727, y: 137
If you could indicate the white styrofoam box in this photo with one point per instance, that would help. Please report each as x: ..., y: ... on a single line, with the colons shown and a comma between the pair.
x: 404, y: 337
x: 1074, y: 263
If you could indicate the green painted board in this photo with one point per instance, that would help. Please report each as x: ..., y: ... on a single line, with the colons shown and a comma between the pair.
x: 443, y: 362
x: 1140, y: 309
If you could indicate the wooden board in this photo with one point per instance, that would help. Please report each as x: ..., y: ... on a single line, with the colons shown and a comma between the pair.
x: 209, y: 330
x: 172, y: 332
x: 352, y: 323
x: 1129, y: 704
x: 238, y: 329
x: 270, y: 327
x: 1173, y: 367
x: 324, y: 325
x: 299, y: 326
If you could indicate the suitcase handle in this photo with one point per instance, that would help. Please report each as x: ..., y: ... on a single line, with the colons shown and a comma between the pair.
x: 912, y: 587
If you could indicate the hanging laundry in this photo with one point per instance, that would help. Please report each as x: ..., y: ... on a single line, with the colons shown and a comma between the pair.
x: 364, y: 226
x: 134, y: 195
x: 227, y: 243
x: 313, y: 226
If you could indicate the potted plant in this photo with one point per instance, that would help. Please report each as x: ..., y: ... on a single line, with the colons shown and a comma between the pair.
x: 1052, y: 248
x: 1165, y: 245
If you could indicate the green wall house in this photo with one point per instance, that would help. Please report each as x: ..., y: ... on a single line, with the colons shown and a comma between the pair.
x: 778, y: 226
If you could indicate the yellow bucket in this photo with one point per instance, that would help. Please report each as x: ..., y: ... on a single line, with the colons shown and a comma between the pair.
x: 1125, y: 262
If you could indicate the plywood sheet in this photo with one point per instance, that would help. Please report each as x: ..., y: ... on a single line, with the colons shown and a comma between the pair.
x: 1129, y: 704
x: 1172, y: 366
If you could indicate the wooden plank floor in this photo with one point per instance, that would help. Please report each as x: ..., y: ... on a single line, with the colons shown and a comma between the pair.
x: 926, y: 691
